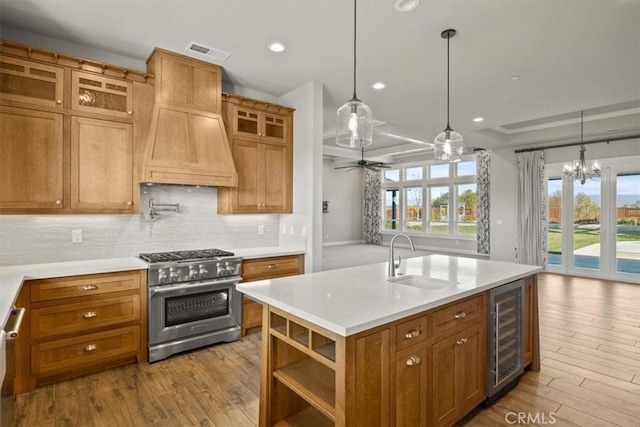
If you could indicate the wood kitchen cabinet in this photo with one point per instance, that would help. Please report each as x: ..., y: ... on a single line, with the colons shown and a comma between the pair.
x: 261, y: 269
x: 30, y: 82
x: 32, y: 160
x: 103, y: 95
x: 80, y: 324
x: 67, y: 133
x: 261, y: 137
x: 102, y: 159
x: 530, y: 316
x: 411, y: 386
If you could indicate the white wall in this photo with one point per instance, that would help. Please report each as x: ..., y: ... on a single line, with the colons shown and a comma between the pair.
x: 504, y: 187
x: 343, y: 191
x: 306, y: 219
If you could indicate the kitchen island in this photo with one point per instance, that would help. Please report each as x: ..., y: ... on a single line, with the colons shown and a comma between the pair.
x: 349, y: 347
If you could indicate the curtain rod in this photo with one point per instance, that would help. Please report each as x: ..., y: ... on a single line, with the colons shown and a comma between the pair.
x: 572, y: 144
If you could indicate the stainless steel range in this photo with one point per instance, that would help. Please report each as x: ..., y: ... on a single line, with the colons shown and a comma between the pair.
x: 192, y: 300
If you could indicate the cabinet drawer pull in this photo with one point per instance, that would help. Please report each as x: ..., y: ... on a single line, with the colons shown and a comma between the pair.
x: 89, y: 287
x: 414, y: 360
x: 58, y: 202
x: 460, y: 315
x: 130, y: 112
x: 90, y: 314
x: 461, y: 341
x: 272, y: 266
x: 90, y: 348
x: 414, y: 333
x: 59, y: 101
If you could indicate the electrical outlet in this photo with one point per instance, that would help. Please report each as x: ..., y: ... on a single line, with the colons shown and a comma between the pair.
x: 291, y: 229
x: 304, y: 231
x: 261, y: 229
x: 76, y: 236
x: 284, y: 229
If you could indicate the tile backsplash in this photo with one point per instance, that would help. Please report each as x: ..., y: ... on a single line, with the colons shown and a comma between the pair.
x: 29, y: 239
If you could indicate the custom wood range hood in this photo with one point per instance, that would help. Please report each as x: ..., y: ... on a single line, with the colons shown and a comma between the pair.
x: 187, y: 142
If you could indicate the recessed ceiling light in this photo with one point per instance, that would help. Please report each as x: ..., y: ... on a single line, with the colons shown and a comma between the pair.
x: 277, y: 47
x: 406, y: 5
x: 379, y: 85
x: 478, y: 119
x: 515, y: 77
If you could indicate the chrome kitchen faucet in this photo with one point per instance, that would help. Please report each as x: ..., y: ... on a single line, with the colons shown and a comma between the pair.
x: 392, y: 265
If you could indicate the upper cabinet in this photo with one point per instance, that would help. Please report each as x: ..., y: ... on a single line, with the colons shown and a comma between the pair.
x: 250, y: 123
x: 102, y: 95
x: 262, y: 144
x: 67, y: 133
x: 30, y: 82
x: 31, y: 164
x: 186, y: 82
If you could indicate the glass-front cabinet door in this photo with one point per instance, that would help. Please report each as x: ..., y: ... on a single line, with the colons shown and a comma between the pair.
x: 31, y: 82
x: 99, y: 94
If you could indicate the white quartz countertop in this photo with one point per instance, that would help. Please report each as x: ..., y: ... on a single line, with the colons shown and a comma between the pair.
x: 12, y: 277
x: 352, y: 300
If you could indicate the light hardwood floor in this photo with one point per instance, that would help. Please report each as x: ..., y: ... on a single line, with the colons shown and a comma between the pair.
x: 590, y: 345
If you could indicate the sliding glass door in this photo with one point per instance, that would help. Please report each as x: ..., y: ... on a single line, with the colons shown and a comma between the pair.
x: 594, y: 229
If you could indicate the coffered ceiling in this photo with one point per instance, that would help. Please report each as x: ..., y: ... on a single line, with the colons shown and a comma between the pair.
x: 569, y: 55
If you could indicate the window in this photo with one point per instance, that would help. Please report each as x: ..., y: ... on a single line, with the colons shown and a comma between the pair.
x: 431, y: 198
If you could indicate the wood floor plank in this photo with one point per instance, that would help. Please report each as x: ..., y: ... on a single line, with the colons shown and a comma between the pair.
x: 596, y: 376
x: 564, y: 374
x: 595, y: 367
x: 631, y: 411
x: 581, y: 418
x: 606, y: 362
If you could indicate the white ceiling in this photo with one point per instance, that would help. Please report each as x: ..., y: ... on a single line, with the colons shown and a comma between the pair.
x: 571, y: 55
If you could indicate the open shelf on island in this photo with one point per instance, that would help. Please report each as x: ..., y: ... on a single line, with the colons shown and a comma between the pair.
x: 306, y: 418
x: 279, y: 324
x: 313, y: 381
x: 299, y: 333
x: 323, y: 346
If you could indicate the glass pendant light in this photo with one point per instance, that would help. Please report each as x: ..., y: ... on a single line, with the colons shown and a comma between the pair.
x: 448, y: 142
x: 354, y: 125
x: 581, y: 170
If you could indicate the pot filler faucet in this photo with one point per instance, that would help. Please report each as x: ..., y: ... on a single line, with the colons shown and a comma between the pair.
x: 392, y: 264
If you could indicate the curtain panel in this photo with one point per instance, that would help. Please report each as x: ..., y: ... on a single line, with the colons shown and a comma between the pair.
x: 372, y: 207
x: 531, y: 246
x: 483, y: 181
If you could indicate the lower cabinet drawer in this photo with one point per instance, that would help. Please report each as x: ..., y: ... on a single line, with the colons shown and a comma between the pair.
x: 267, y: 268
x: 464, y: 312
x: 411, y: 332
x: 251, y: 313
x: 82, y: 286
x: 81, y: 317
x: 72, y: 352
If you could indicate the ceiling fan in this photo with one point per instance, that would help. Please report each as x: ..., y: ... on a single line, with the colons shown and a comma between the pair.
x: 365, y: 164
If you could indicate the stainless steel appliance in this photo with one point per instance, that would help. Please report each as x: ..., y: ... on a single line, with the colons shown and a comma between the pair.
x: 504, y: 339
x: 192, y: 300
x: 8, y: 337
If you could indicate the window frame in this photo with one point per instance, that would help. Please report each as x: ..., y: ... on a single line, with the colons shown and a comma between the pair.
x: 426, y: 183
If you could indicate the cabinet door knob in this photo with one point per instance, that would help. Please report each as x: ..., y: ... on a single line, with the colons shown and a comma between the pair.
x: 413, y: 361
x: 130, y: 112
x: 90, y: 314
x: 414, y: 333
x: 90, y: 348
x: 58, y: 202
x: 59, y: 101
x: 272, y: 266
x: 129, y: 203
x: 89, y: 287
x: 460, y: 315
x: 461, y: 341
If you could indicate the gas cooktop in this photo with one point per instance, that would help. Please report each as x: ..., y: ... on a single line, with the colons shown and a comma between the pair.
x: 182, y: 256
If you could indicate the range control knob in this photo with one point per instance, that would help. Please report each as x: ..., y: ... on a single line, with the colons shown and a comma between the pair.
x: 194, y: 273
x: 203, y: 271
x: 162, y: 275
x: 173, y: 275
x: 229, y: 269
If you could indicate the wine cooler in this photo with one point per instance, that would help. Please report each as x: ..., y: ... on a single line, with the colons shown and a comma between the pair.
x: 504, y: 338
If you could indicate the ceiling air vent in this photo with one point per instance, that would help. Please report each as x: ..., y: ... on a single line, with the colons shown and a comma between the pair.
x: 217, y: 54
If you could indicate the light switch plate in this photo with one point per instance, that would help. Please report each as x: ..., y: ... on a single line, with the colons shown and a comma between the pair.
x: 76, y: 236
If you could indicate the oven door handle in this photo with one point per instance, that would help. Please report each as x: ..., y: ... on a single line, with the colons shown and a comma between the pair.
x: 164, y: 289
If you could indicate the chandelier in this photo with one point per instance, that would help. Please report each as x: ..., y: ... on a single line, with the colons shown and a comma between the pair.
x: 581, y: 170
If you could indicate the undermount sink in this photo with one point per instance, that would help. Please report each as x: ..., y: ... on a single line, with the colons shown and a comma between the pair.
x: 428, y: 283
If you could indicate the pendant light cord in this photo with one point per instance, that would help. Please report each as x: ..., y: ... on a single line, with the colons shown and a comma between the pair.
x: 355, y: 97
x: 581, y: 125
x: 448, y: 39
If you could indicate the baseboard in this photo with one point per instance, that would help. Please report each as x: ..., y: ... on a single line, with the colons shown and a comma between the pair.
x: 344, y: 242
